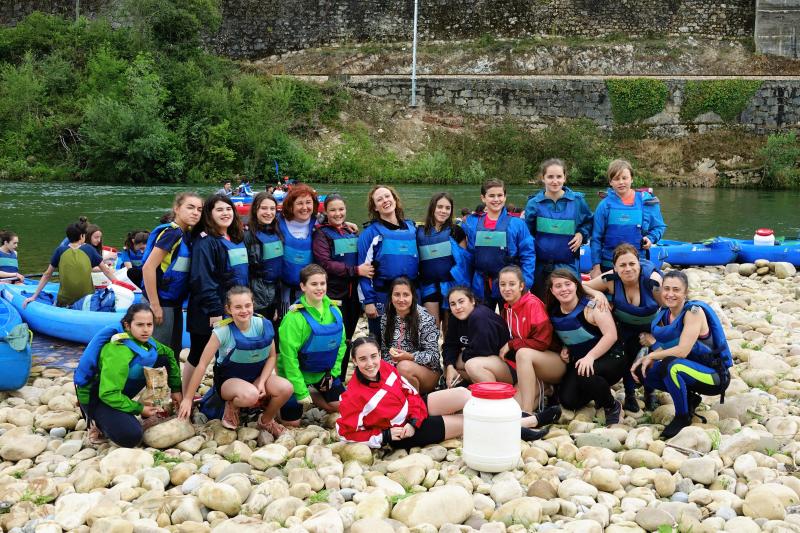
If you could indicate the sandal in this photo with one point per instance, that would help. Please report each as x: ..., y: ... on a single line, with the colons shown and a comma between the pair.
x: 273, y: 427
x: 230, y: 418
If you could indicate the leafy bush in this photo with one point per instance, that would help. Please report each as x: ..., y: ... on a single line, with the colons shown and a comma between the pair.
x: 726, y: 98
x: 636, y: 98
x: 781, y: 155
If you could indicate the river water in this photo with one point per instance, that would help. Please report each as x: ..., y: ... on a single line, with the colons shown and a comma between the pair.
x: 39, y: 212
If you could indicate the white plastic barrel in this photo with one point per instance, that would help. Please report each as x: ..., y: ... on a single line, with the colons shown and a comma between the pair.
x: 491, y: 428
x: 764, y: 237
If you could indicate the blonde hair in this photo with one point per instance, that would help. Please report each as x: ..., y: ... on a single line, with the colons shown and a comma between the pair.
x: 617, y: 166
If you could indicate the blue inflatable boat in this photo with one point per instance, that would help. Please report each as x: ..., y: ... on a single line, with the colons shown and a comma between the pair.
x: 15, y: 348
x: 717, y: 251
x: 786, y: 252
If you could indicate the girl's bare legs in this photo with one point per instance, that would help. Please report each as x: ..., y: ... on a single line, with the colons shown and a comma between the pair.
x: 489, y: 368
x: 421, y: 378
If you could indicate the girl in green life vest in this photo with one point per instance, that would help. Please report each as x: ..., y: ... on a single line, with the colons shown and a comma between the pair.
x: 244, y: 360
x: 106, y: 397
x: 312, y: 347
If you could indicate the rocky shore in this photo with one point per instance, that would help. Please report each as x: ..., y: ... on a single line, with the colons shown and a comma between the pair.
x: 736, y: 472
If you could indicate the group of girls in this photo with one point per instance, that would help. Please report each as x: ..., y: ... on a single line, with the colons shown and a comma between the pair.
x: 293, y: 290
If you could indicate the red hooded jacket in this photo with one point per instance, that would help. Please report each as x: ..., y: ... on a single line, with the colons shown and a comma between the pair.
x: 528, y: 323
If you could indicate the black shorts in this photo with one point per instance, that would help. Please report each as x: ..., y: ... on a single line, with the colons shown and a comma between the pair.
x: 434, y: 297
x: 513, y: 372
x: 430, y: 432
x: 292, y: 410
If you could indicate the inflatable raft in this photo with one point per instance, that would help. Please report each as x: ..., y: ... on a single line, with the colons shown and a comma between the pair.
x: 786, y: 251
x: 15, y: 348
x: 717, y: 251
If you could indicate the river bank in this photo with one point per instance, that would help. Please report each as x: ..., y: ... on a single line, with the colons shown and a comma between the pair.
x: 737, y: 471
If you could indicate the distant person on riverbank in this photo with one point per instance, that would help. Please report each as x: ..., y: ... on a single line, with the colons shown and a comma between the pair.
x: 689, y: 352
x: 106, y: 396
x: 74, y: 263
x: 226, y: 189
x: 496, y: 239
x: 623, y: 216
x: 9, y: 263
x: 560, y: 221
x: 389, y: 243
x: 165, y: 271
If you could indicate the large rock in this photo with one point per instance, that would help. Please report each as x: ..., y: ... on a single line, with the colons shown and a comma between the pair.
x: 605, y: 479
x: 169, y: 433
x: 692, y: 438
x: 220, y: 497
x: 576, y: 487
x: 784, y: 270
x: 282, y: 508
x: 371, y: 525
x: 325, y: 521
x: 112, y: 524
x: 19, y: 443
x: 450, y: 504
x: 373, y: 506
x: 769, y: 501
x: 732, y: 446
x: 700, y: 469
x: 356, y: 451
x: 125, y: 461
x: 651, y: 519
x: 57, y: 419
x: 267, y: 456
x: 242, y: 524
x: 523, y: 511
x: 641, y: 458
x: 414, y: 459
x: 72, y: 509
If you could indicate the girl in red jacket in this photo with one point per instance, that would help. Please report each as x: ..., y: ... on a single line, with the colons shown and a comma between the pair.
x: 380, y: 407
x: 528, y: 354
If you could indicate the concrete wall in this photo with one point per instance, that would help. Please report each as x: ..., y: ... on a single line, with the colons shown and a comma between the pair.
x: 775, y: 106
x: 253, y: 28
x: 777, y: 29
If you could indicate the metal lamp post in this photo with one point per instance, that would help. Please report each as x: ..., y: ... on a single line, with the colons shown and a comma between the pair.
x: 414, y: 57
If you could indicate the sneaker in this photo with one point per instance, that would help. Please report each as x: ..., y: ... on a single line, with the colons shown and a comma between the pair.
x: 230, y: 418
x: 95, y: 436
x: 613, y: 413
x: 694, y: 400
x: 528, y: 434
x: 650, y: 400
x: 548, y: 415
x: 677, y: 424
x: 273, y: 427
x: 630, y: 403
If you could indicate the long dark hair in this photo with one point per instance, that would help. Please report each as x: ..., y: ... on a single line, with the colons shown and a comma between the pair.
x: 360, y: 341
x: 206, y: 224
x: 430, y: 221
x: 135, y: 237
x: 412, y: 320
x: 551, y: 301
x: 254, y: 225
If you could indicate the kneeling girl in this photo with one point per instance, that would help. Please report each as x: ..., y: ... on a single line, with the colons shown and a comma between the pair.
x: 244, y: 364
x: 312, y: 347
x: 106, y: 384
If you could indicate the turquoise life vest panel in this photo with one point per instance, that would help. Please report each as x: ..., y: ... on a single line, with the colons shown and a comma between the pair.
x: 435, y: 255
x: 345, y: 246
x: 636, y: 318
x: 271, y: 255
x: 575, y: 331
x: 491, y: 246
x: 397, y: 253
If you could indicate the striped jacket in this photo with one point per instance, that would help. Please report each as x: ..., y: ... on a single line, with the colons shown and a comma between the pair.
x: 370, y: 408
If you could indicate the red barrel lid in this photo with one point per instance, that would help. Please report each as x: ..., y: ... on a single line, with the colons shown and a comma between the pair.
x: 492, y: 390
x: 764, y: 232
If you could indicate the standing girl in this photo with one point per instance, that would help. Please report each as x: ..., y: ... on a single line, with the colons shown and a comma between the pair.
x: 559, y: 220
x: 265, y: 255
x: 244, y: 360
x: 219, y: 262
x: 623, y: 216
x: 595, y: 362
x: 336, y: 250
x: 116, y: 376
x: 165, y: 271
x: 9, y: 264
x: 389, y: 243
x: 411, y: 337
x: 443, y: 260
x: 296, y: 223
x: 634, y: 287
x: 312, y: 347
x: 529, y: 351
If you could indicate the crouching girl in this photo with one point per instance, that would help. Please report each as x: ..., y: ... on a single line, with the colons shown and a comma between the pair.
x: 244, y: 365
x: 111, y: 373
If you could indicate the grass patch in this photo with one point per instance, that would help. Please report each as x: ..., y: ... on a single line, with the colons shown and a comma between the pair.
x: 161, y: 458
x: 319, y: 497
x: 397, y: 497
x: 36, y: 499
x: 635, y: 99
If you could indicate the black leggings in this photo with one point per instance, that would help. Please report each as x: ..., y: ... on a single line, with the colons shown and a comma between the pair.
x: 577, y: 391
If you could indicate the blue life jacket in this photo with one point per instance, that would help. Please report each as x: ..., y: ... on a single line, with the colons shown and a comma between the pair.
x: 137, y: 258
x: 397, y: 253
x: 554, y: 230
x: 247, y: 358
x: 174, y: 285
x: 668, y: 336
x: 435, y: 255
x: 491, y: 246
x: 100, y: 301
x: 632, y: 318
x: 271, y: 255
x: 345, y: 246
x: 88, y: 365
x: 238, y: 265
x: 9, y: 262
x: 577, y: 333
x: 297, y: 253
x: 320, y: 351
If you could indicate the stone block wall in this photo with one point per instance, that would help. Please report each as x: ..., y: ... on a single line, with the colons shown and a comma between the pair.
x: 775, y: 106
x: 257, y: 28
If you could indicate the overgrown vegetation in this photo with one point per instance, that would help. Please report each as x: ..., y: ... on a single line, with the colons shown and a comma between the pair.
x: 726, y: 98
x: 635, y: 99
x: 781, y: 155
